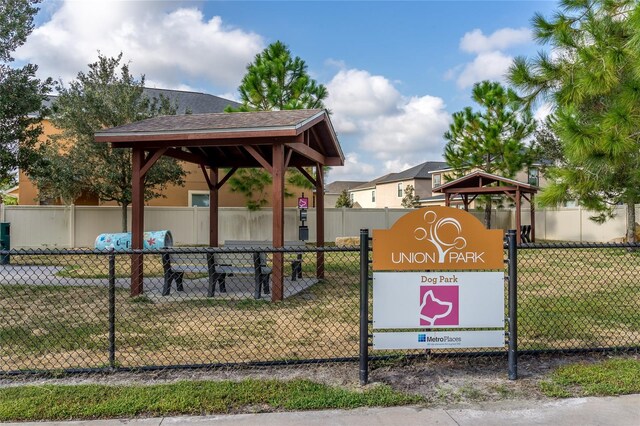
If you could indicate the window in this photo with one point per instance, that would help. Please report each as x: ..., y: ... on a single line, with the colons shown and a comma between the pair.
x: 437, y: 180
x: 400, y: 190
x: 373, y: 196
x: 198, y: 198
x: 351, y: 197
x: 533, y: 176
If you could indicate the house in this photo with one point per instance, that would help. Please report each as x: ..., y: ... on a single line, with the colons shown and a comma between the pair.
x: 195, y: 192
x: 333, y: 190
x: 388, y: 190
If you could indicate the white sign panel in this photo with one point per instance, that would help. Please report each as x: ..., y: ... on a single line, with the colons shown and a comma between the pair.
x: 438, y: 299
x: 439, y: 339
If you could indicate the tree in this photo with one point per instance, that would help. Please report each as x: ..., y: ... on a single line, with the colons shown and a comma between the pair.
x: 593, y: 82
x: 21, y: 93
x: 410, y: 199
x: 344, y: 200
x: 72, y: 163
x: 491, y: 139
x: 547, y: 146
x: 274, y: 81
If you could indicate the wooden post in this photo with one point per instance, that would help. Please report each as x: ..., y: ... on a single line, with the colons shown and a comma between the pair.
x: 518, y: 217
x: 278, y: 221
x: 466, y: 202
x: 319, y: 221
x: 533, y: 219
x: 213, y: 208
x: 447, y: 201
x: 137, y: 220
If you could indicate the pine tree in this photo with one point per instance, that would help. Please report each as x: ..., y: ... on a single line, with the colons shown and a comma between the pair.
x: 274, y: 81
x: 344, y: 200
x: 410, y: 199
x: 491, y: 139
x: 592, y: 80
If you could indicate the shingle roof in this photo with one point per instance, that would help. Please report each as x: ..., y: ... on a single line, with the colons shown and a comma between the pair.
x: 421, y: 171
x: 340, y: 185
x: 237, y: 121
x: 194, y: 102
x: 371, y: 183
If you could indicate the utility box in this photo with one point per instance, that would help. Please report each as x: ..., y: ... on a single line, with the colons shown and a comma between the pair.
x: 303, y: 233
x: 5, y: 242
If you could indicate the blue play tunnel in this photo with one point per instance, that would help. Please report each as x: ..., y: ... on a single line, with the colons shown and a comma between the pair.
x: 152, y: 240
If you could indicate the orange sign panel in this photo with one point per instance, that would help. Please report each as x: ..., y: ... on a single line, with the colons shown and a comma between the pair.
x: 437, y: 238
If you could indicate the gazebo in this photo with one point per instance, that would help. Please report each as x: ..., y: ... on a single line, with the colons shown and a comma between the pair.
x: 273, y: 140
x: 468, y: 187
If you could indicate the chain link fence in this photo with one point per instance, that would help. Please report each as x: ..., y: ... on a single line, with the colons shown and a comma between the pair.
x: 73, y: 310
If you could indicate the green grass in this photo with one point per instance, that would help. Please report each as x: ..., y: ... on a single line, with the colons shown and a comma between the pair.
x: 608, y: 378
x: 56, y: 402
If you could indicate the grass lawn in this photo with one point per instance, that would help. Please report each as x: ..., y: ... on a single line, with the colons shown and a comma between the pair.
x: 618, y: 376
x: 579, y: 298
x: 58, y: 402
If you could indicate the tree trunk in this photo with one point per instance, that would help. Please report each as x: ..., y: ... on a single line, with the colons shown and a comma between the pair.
x: 487, y: 214
x: 631, y: 222
x: 124, y: 217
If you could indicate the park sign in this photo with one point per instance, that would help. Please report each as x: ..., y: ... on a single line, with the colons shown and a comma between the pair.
x: 437, y: 238
x: 438, y: 272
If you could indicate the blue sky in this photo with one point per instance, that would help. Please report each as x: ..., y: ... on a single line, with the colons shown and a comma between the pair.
x: 395, y: 70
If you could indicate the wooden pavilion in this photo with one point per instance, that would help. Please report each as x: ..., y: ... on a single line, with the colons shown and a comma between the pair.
x: 468, y: 187
x: 273, y: 140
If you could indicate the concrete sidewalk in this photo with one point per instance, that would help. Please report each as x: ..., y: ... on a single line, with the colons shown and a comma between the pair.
x: 618, y: 411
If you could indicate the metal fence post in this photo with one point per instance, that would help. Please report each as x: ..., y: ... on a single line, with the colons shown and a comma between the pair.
x: 513, y: 304
x: 112, y: 309
x: 364, y: 306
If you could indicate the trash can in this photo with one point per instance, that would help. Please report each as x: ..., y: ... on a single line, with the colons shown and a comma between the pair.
x: 151, y: 240
x: 5, y: 242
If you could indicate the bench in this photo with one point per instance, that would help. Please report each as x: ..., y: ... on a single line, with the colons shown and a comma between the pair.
x: 296, y: 263
x: 219, y: 265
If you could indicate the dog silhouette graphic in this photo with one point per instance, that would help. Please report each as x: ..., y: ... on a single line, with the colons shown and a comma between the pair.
x: 439, y: 306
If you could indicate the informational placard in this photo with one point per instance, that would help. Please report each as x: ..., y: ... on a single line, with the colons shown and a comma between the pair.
x: 303, y: 203
x: 439, y: 339
x: 438, y: 268
x: 438, y: 299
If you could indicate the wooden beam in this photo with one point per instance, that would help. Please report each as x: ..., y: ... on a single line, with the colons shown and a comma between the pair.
x: 308, y: 152
x: 186, y: 156
x: 260, y: 159
x: 319, y: 220
x: 151, y: 160
x: 320, y: 146
x: 226, y: 177
x: 193, y: 137
x: 185, y: 140
x: 533, y: 218
x: 210, y: 184
x: 137, y: 220
x: 213, y: 207
x: 518, y: 218
x: 288, y: 159
x: 278, y: 170
x: 307, y: 175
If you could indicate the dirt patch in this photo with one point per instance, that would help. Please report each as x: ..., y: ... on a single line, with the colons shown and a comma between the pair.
x: 451, y: 382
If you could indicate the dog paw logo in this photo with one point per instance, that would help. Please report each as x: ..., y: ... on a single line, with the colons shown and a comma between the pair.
x: 439, y: 305
x: 432, y: 233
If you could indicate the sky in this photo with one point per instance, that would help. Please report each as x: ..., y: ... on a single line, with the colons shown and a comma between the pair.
x: 395, y: 71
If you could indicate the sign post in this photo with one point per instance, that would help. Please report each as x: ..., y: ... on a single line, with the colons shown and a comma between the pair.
x: 439, y: 274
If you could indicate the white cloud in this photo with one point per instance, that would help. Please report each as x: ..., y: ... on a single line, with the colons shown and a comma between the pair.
x: 170, y: 43
x: 543, y: 111
x: 486, y: 66
x: 397, y: 131
x: 354, y: 169
x: 356, y: 93
x: 476, y: 42
x: 490, y: 61
x: 411, y: 136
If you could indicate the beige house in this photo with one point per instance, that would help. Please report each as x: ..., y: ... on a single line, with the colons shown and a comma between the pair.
x: 388, y: 190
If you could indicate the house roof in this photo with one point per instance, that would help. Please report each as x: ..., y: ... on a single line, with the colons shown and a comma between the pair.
x: 421, y: 171
x: 240, y: 139
x: 193, y: 102
x: 340, y: 185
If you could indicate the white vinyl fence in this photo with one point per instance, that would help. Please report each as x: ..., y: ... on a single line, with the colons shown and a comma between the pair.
x: 78, y: 226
